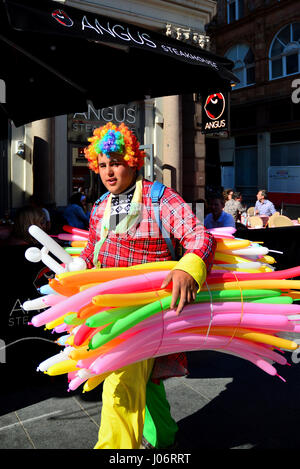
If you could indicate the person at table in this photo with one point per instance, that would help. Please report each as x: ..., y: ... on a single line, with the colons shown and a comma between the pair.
x: 217, y: 217
x: 74, y: 213
x: 263, y: 207
x: 227, y: 194
x: 235, y: 207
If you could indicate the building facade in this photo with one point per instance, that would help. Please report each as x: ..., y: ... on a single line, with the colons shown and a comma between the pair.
x: 45, y: 158
x: 262, y: 37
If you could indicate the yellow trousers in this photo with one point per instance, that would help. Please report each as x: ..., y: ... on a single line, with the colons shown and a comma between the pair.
x: 123, y: 407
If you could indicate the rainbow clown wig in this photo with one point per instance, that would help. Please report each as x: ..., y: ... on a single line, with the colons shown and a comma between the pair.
x: 112, y: 139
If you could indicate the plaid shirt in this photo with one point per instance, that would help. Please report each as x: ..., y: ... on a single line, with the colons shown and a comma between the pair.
x: 145, y: 243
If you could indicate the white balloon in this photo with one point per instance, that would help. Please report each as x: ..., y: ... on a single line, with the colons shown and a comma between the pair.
x: 33, y: 255
x: 37, y: 303
x: 59, y: 357
x: 50, y: 244
x: 77, y: 264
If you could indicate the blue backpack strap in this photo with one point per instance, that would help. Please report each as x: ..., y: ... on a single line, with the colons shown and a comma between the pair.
x: 157, y: 191
x: 101, y: 198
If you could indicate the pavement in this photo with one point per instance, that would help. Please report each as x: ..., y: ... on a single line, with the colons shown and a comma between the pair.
x: 225, y: 403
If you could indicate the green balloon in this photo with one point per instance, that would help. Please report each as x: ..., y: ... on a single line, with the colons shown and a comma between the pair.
x: 110, y: 315
x: 275, y: 300
x: 130, y: 320
x: 72, y: 250
x: 73, y: 320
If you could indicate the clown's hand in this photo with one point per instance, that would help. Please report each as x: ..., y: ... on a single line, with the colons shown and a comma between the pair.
x: 184, y: 288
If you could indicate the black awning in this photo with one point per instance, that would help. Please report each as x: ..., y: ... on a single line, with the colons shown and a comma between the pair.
x: 55, y: 58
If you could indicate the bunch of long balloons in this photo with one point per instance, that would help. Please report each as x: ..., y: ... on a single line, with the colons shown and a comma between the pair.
x: 111, y: 317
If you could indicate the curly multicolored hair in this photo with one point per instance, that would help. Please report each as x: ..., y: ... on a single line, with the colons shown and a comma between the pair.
x: 109, y: 139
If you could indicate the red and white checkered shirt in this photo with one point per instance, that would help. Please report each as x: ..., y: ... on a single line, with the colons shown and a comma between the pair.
x: 145, y: 243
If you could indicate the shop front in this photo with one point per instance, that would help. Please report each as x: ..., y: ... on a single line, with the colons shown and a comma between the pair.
x: 80, y: 127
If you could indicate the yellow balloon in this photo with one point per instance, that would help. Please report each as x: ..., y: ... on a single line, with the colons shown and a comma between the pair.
x: 66, y: 366
x: 229, y: 258
x: 268, y: 260
x: 231, y: 244
x: 92, y: 383
x: 128, y: 299
x: 235, y: 269
x: 255, y: 284
x: 76, y: 280
x: 56, y: 322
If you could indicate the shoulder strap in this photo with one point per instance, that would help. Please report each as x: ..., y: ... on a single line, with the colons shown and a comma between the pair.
x: 98, y: 201
x: 157, y: 191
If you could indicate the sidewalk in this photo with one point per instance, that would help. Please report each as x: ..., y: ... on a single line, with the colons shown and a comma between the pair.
x: 225, y: 403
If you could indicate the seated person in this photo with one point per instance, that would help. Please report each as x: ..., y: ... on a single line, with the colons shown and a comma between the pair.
x: 234, y: 206
x: 263, y: 206
x: 218, y: 217
x: 74, y: 213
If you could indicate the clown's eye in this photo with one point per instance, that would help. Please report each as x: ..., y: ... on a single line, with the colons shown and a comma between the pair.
x: 214, y: 101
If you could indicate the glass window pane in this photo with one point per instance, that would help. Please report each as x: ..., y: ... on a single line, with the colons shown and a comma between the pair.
x: 296, y: 32
x: 277, y: 48
x: 286, y: 154
x: 249, y: 57
x: 285, y: 35
x: 232, y: 12
x: 277, y: 68
x: 241, y: 8
x: 246, y: 166
x: 250, y: 75
x: 292, y: 64
x: 239, y: 73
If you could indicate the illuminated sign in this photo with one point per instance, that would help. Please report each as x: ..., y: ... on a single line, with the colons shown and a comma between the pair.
x: 215, y: 113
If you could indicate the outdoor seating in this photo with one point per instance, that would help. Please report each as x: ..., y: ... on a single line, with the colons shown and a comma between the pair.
x: 281, y: 220
x: 251, y: 211
x: 271, y: 219
x: 255, y: 222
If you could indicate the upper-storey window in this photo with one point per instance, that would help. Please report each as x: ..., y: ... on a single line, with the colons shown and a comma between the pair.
x: 235, y: 10
x: 285, y: 52
x: 244, y: 64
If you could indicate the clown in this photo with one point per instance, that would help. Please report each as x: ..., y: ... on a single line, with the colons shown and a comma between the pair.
x: 123, y: 232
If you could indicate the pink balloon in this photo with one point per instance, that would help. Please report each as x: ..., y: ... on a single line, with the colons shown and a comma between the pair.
x: 138, y: 283
x: 75, y: 383
x: 219, y: 276
x: 76, y: 231
x: 70, y: 237
x: 61, y: 328
x: 171, y: 344
x: 53, y: 299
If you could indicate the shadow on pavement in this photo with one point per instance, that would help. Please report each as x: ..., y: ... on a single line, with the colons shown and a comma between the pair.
x: 255, y: 410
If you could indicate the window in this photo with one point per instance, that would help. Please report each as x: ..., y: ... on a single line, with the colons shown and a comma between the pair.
x: 284, y: 53
x: 285, y: 154
x: 246, y: 171
x: 244, y: 64
x: 235, y: 10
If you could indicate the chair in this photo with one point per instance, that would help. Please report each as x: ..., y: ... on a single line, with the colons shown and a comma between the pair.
x: 255, y: 222
x: 271, y: 219
x: 251, y: 211
x: 282, y: 220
